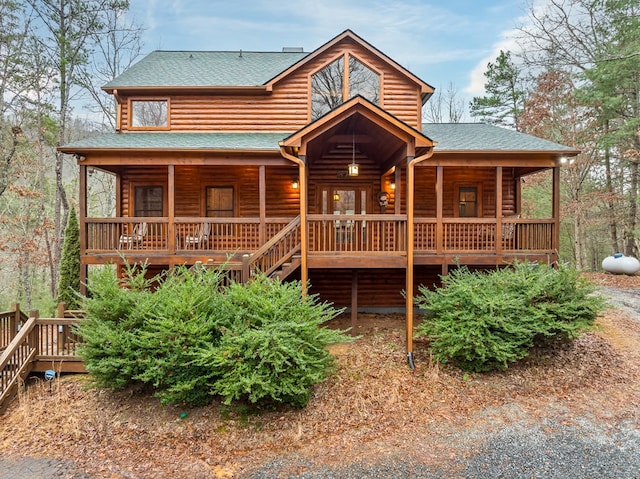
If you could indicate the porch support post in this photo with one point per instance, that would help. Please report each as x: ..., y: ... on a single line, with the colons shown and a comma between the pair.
x: 498, y: 235
x: 262, y: 188
x: 82, y: 213
x: 555, y: 237
x: 304, y: 245
x: 171, y: 240
x: 411, y: 164
x: 397, y: 195
x: 439, y: 210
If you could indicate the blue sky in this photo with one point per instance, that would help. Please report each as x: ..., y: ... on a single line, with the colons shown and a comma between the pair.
x: 439, y: 41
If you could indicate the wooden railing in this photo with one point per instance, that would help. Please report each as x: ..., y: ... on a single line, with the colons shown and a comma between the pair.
x: 225, y: 235
x: 326, y: 233
x: 275, y: 252
x: 39, y: 344
x: 357, y: 233
x: 10, y: 322
x: 480, y: 235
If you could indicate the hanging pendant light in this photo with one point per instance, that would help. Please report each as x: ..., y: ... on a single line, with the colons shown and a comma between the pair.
x: 353, y: 167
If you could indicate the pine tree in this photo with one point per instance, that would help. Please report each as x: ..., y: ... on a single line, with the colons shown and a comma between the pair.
x: 505, y: 93
x: 69, y: 284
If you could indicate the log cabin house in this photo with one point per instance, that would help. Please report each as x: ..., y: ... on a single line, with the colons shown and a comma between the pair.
x: 313, y: 166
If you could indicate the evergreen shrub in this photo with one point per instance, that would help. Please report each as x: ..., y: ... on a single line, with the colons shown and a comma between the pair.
x: 483, y: 321
x: 192, y: 337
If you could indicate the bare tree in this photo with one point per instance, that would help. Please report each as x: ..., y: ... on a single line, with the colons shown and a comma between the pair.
x: 445, y: 107
x: 68, y: 29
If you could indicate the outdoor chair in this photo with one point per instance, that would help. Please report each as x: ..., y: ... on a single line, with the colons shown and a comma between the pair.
x: 199, y: 238
x: 135, y: 238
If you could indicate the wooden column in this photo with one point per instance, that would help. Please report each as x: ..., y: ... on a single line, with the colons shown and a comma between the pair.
x: 354, y: 301
x: 82, y: 223
x: 397, y: 198
x: 304, y: 237
x: 439, y: 210
x: 171, y: 240
x: 555, y: 245
x: 262, y: 188
x: 409, y: 267
x: 498, y: 235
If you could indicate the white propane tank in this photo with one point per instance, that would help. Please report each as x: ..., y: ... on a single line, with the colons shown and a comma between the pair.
x: 621, y: 264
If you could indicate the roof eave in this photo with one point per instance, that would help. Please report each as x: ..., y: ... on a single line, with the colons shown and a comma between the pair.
x: 236, y: 90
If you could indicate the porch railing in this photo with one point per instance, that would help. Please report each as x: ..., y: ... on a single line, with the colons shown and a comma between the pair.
x: 152, y: 234
x: 326, y: 233
x: 357, y: 233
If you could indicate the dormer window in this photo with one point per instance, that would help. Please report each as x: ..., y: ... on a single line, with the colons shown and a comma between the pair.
x: 335, y: 84
x: 149, y: 114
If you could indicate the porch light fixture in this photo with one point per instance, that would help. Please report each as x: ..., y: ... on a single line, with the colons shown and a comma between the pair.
x: 295, y: 184
x: 353, y: 167
x: 393, y: 186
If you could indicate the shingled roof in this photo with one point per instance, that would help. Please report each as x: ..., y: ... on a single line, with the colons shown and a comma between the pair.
x: 205, y: 69
x: 484, y: 137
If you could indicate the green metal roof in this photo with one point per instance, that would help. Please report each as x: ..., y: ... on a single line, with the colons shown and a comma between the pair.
x: 178, y: 141
x: 485, y: 137
x: 205, y: 69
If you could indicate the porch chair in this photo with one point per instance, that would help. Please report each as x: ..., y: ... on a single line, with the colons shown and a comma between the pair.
x: 508, y: 233
x: 135, y: 238
x: 200, y: 236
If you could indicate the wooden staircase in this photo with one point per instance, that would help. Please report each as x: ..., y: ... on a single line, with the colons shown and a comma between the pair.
x: 279, y: 256
x: 34, y: 344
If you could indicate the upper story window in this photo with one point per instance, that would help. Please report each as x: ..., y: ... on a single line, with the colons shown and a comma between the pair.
x: 334, y: 84
x: 149, y: 114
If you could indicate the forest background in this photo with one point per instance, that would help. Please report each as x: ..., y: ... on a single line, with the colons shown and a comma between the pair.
x: 574, y: 79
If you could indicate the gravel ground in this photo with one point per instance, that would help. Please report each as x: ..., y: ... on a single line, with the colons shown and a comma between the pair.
x: 549, y: 450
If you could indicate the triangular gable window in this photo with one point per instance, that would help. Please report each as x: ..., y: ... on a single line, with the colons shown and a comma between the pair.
x: 328, y: 85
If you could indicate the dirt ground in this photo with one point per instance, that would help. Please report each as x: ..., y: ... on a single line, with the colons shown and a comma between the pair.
x: 373, y: 407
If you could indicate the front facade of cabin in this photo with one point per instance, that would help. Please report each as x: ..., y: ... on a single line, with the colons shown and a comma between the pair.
x: 313, y: 166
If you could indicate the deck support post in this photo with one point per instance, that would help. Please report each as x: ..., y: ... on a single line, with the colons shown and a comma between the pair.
x: 354, y: 301
x: 411, y: 164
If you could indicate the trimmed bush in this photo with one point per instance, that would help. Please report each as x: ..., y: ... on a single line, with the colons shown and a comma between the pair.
x: 483, y: 321
x: 192, y: 338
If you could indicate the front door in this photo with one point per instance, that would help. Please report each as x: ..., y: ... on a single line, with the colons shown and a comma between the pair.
x: 345, y: 202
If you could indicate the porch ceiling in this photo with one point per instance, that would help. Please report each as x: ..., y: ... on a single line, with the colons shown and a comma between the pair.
x: 359, y: 133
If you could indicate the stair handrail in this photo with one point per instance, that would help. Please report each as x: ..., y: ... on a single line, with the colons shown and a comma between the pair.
x: 24, y: 337
x: 250, y: 261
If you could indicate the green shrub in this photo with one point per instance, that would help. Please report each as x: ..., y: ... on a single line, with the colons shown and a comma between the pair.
x: 485, y: 320
x: 274, y: 347
x: 192, y: 337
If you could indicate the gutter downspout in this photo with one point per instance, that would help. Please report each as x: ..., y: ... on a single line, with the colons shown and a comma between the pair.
x: 410, y: 248
x: 304, y: 274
